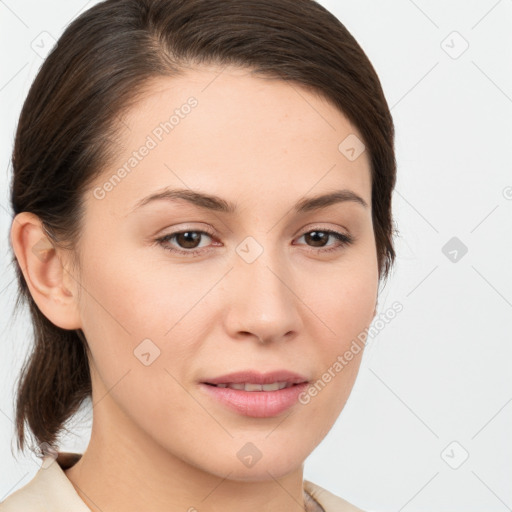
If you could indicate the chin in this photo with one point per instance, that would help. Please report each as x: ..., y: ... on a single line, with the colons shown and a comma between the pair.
x: 252, y: 462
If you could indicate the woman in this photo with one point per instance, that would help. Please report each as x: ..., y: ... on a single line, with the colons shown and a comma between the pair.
x: 202, y: 197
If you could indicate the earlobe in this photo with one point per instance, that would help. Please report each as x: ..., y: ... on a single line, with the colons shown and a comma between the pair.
x: 41, y: 264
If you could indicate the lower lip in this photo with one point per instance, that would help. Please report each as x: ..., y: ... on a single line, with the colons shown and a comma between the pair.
x: 257, y: 404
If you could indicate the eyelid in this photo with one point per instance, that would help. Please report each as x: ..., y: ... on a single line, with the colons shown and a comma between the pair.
x: 343, y: 240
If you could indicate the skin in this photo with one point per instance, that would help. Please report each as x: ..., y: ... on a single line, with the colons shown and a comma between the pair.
x: 158, y: 442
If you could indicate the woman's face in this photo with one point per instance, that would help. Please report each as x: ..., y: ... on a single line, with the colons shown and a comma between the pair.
x: 261, y: 287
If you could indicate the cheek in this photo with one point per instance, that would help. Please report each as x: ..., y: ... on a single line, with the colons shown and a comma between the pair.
x: 139, y: 348
x: 133, y: 296
x: 139, y: 317
x: 345, y: 307
x: 343, y: 296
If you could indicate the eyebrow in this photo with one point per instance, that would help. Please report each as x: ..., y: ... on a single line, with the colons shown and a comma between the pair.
x: 216, y: 203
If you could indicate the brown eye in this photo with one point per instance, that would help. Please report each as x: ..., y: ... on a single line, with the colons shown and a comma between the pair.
x: 318, y: 238
x: 188, y: 239
x: 186, y: 242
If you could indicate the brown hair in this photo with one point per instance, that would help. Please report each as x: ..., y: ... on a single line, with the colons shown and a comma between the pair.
x: 98, y: 69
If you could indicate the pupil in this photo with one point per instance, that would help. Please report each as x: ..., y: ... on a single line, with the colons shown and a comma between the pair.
x: 189, y: 238
x: 316, y: 238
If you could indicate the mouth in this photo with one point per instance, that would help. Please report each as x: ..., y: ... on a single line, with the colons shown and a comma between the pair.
x: 249, y: 386
x: 252, y: 380
x: 255, y: 394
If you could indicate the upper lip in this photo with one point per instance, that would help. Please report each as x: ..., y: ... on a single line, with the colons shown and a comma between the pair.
x: 254, y: 377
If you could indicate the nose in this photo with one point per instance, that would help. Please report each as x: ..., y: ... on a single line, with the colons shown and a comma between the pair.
x: 262, y: 302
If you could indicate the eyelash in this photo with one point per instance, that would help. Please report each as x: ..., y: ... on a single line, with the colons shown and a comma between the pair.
x: 343, y: 239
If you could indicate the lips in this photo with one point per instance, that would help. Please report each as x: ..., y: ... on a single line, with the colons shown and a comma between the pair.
x: 255, y: 404
x: 247, y: 386
x: 253, y: 394
x: 283, y: 378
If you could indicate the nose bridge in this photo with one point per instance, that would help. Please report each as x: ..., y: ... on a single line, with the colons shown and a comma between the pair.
x: 265, y: 275
x: 263, y: 302
x: 259, y: 265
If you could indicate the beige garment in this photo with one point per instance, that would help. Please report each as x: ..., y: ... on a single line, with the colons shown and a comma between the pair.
x: 51, y: 491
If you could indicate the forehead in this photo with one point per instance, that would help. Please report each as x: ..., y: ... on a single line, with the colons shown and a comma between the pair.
x: 238, y: 135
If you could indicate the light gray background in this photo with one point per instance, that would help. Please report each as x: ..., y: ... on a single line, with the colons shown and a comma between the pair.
x: 439, y: 372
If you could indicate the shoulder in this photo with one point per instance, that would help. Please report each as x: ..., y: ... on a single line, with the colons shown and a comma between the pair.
x: 24, y: 499
x: 329, y: 501
x: 49, y: 489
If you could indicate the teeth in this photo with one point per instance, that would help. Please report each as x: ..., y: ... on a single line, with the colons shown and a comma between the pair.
x: 247, y: 386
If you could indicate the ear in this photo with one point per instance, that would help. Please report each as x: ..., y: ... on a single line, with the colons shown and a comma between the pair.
x: 50, y: 283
